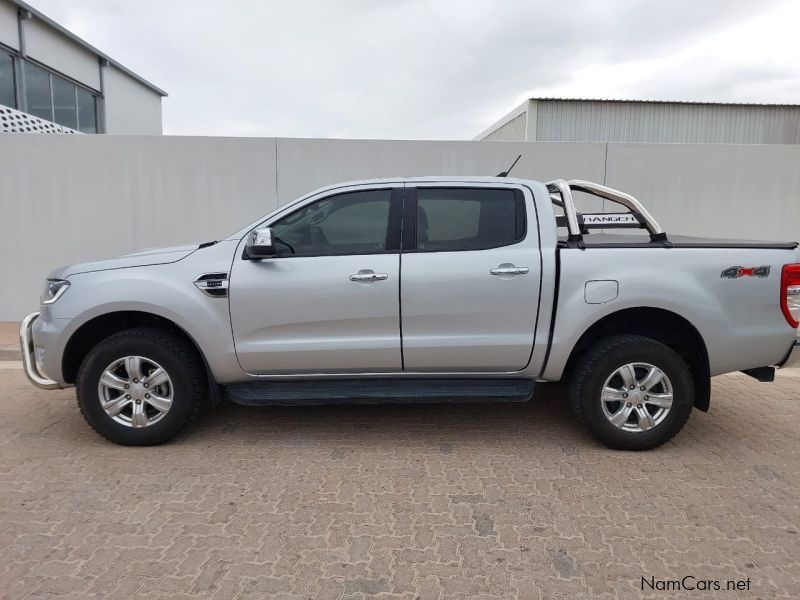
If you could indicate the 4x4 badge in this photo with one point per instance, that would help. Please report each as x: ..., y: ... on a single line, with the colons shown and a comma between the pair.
x: 734, y: 272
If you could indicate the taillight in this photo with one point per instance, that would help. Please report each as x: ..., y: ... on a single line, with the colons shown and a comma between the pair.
x: 790, y: 294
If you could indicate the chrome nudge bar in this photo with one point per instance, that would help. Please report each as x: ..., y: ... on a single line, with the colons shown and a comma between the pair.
x: 577, y: 225
x: 28, y: 357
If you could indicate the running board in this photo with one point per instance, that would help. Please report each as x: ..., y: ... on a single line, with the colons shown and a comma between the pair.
x: 379, y: 391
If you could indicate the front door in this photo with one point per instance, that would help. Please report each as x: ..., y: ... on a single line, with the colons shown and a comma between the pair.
x: 470, y: 279
x: 329, y: 301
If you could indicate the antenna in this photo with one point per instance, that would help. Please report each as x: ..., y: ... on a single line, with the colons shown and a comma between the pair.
x: 505, y: 173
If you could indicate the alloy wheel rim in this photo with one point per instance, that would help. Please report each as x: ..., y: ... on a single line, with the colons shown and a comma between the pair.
x: 637, y: 397
x: 135, y: 391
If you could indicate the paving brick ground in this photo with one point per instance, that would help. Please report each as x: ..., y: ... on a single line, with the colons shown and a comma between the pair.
x: 471, y: 501
x: 9, y: 341
x: 9, y: 333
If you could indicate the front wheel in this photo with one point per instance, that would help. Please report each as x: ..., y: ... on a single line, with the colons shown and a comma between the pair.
x: 632, y: 392
x: 140, y: 387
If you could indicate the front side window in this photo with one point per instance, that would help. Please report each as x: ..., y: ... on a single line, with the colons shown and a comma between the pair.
x: 7, y: 92
x: 450, y: 219
x: 350, y: 223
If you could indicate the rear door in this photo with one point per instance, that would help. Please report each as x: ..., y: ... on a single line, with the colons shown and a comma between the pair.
x: 470, y: 278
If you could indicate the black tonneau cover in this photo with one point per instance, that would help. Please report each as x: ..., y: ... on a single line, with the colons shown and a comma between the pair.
x: 613, y: 240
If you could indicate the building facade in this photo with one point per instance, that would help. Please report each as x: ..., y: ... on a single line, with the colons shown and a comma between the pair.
x: 638, y: 121
x: 51, y: 80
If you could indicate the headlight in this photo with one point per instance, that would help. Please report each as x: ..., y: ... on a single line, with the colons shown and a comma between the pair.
x: 53, y: 290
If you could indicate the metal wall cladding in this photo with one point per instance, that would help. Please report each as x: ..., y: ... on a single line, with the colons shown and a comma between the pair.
x: 664, y: 122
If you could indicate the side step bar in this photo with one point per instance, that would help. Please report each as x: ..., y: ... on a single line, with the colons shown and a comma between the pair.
x: 379, y: 391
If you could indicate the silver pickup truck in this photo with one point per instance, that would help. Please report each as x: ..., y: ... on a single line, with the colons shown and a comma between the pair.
x: 421, y: 290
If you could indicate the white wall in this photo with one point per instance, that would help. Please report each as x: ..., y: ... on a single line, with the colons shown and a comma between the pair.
x: 65, y: 199
x: 306, y: 164
x: 9, y: 32
x: 71, y: 198
x: 54, y: 50
x: 744, y: 191
x: 130, y: 107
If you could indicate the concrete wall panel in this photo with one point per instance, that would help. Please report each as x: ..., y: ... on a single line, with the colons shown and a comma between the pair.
x: 306, y: 164
x: 67, y: 199
x: 739, y: 191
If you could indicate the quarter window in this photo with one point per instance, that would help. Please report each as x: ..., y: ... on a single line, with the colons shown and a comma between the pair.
x: 450, y: 219
x: 351, y: 223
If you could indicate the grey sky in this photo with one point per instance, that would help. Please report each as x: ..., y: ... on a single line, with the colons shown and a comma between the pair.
x: 428, y: 69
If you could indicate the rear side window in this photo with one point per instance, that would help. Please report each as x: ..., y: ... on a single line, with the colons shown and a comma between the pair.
x: 450, y: 219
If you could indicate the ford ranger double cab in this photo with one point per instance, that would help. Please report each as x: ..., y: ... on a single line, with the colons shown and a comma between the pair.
x: 421, y: 290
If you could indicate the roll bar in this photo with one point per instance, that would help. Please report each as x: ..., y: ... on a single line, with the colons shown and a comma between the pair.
x: 577, y: 224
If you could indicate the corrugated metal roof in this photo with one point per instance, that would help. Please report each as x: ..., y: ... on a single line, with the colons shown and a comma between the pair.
x: 67, y: 33
x: 704, y: 102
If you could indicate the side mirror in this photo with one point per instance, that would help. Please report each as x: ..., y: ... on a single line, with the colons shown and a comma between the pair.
x: 260, y: 244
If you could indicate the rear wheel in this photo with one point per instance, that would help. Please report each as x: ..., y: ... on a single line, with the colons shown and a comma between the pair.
x: 632, y: 392
x: 140, y: 387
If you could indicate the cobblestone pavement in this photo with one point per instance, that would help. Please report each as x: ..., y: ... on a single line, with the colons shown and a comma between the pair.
x: 9, y: 341
x: 469, y: 501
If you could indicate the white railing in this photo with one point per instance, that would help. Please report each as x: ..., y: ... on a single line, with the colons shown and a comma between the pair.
x: 16, y: 121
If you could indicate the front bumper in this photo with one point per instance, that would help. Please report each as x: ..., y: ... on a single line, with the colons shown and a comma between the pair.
x: 793, y: 358
x: 32, y: 371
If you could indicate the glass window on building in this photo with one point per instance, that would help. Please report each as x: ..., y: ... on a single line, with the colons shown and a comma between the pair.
x: 37, y: 92
x: 87, y: 112
x: 65, y: 109
x: 52, y: 97
x: 7, y: 91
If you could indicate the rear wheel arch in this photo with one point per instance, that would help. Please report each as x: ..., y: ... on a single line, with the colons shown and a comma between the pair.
x: 664, y: 326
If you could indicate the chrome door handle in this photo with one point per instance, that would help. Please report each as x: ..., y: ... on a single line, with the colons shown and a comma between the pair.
x: 366, y: 275
x: 503, y: 270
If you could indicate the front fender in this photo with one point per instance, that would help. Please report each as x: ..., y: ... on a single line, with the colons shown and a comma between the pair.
x: 166, y: 291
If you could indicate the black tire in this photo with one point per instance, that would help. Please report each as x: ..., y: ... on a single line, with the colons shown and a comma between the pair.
x: 174, y: 354
x: 599, y: 362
